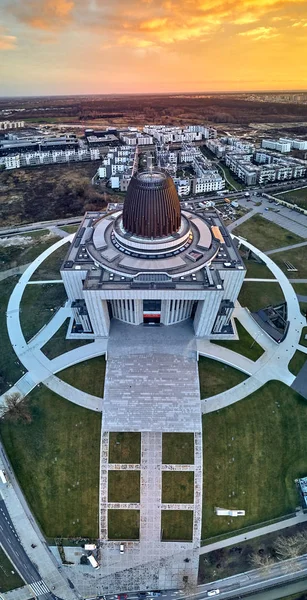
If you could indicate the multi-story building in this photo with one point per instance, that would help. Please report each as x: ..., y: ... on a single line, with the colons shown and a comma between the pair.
x: 4, y: 125
x: 153, y: 263
x: 278, y: 145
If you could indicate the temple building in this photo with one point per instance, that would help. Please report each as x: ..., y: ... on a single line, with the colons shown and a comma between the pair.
x: 153, y: 263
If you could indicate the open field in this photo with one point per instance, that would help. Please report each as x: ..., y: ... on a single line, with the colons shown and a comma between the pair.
x: 56, y: 460
x: 47, y: 299
x: 253, y: 451
x: 50, y: 268
x: 298, y: 197
x: 10, y: 367
x: 266, y: 235
x: 58, y: 344
x: 254, y: 295
x: 9, y: 579
x: 123, y: 524
x: 237, y: 559
x: 125, y: 447
x: 297, y: 257
x: 48, y: 192
x: 177, y: 525
x: 257, y: 270
x: 178, y: 448
x: 177, y: 487
x: 87, y: 376
x: 26, y: 248
x: 124, y: 486
x: 297, y: 362
x: 245, y: 345
x: 216, y: 377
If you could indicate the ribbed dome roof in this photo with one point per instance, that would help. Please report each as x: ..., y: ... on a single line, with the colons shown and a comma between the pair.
x: 151, y: 207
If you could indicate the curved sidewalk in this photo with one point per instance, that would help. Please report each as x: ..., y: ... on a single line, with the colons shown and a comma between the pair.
x: 40, y: 368
x: 273, y: 364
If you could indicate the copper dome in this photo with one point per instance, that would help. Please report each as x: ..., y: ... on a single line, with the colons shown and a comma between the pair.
x: 151, y: 207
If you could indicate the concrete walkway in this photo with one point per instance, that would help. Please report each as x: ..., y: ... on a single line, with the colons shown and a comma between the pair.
x: 286, y: 248
x: 249, y: 535
x: 40, y: 368
x: 13, y: 271
x: 273, y: 363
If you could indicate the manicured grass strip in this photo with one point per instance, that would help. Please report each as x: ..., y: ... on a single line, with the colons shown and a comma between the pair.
x: 300, y: 288
x: 303, y: 340
x: 297, y: 257
x: 216, y: 377
x: 124, y: 524
x: 10, y: 367
x: 13, y: 256
x: 124, y: 486
x: 177, y: 487
x: 50, y: 268
x: 265, y: 235
x: 58, y: 344
x: 248, y: 446
x: 70, y: 228
x: 297, y: 362
x: 56, y: 460
x: 88, y: 376
x: 38, y: 304
x: 9, y: 578
x: 177, y: 525
x: 125, y: 447
x: 178, y: 448
x: 258, y: 270
x: 255, y: 295
x: 245, y: 345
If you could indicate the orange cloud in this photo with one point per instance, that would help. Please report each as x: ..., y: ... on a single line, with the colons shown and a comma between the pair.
x: 7, y: 42
x: 43, y: 14
x: 260, y: 33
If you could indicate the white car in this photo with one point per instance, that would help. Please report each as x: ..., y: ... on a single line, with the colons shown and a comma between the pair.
x: 213, y: 592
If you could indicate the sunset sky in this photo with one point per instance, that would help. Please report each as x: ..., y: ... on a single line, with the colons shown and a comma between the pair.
x: 123, y: 46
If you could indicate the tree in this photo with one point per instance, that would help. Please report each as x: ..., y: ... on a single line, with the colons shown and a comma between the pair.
x: 291, y: 546
x: 261, y: 561
x: 16, y: 408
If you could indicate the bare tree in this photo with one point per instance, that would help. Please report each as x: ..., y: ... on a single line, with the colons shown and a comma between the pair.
x: 16, y: 408
x: 291, y: 546
x: 261, y: 561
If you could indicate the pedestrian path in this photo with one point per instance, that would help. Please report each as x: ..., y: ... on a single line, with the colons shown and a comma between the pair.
x: 13, y: 271
x: 286, y: 248
x: 249, y: 535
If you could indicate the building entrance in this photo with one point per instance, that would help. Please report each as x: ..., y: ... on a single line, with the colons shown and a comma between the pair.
x: 151, y: 312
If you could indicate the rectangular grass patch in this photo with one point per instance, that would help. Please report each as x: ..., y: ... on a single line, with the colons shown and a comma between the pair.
x: 178, y: 448
x: 88, y: 376
x: 123, y: 524
x: 177, y: 525
x: 56, y: 460
x: 124, y: 486
x: 177, y: 487
x: 125, y: 447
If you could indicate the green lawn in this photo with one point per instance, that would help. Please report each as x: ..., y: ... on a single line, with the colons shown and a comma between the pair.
x: 50, y: 268
x: 58, y: 344
x: 124, y: 486
x: 256, y: 295
x: 300, y: 288
x: 266, y: 235
x: 230, y: 177
x: 178, y: 448
x: 45, y: 299
x: 125, y: 447
x: 87, y: 376
x: 70, y: 228
x: 298, y: 197
x: 303, y: 340
x: 177, y: 525
x: 9, y: 578
x: 178, y: 487
x: 216, y: 377
x: 253, y: 451
x: 303, y: 307
x: 10, y: 367
x: 123, y: 524
x: 257, y: 270
x: 56, y: 460
x: 297, y: 362
x: 297, y: 257
x: 245, y: 345
x: 13, y: 256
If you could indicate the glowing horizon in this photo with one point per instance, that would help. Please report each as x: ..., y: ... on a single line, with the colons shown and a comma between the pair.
x: 83, y: 47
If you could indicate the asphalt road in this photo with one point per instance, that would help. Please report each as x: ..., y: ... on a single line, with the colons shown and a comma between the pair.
x: 11, y: 544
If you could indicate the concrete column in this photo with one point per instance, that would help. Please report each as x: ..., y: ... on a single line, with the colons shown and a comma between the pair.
x: 98, y: 313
